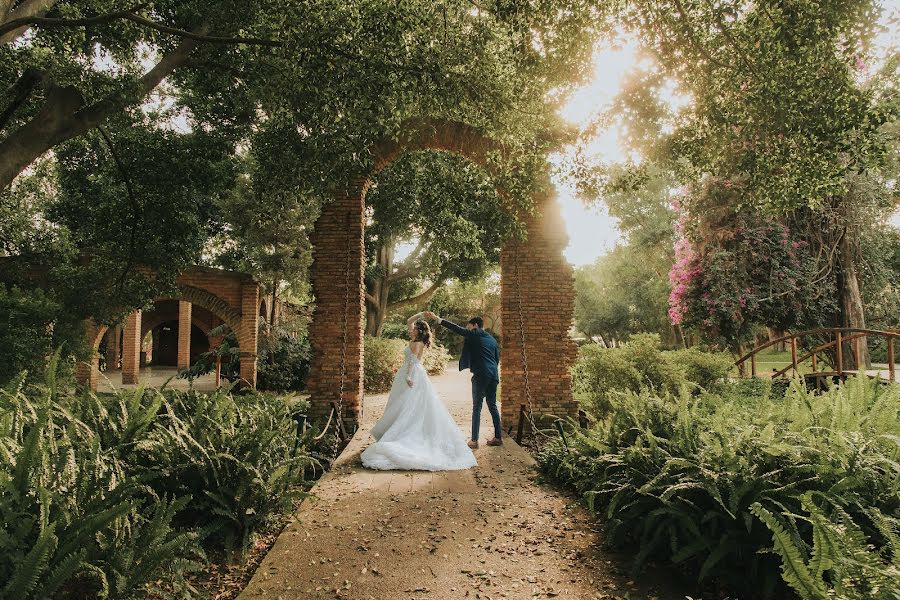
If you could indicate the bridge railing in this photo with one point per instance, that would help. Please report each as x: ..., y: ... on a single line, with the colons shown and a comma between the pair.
x: 840, y: 337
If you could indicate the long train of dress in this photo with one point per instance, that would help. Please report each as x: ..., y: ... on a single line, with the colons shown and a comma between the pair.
x: 416, y: 431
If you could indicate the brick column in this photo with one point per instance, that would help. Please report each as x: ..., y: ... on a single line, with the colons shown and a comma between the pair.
x: 337, y: 283
x: 131, y: 348
x: 248, y: 333
x: 87, y: 372
x: 112, y: 347
x: 538, y: 297
x: 184, y: 335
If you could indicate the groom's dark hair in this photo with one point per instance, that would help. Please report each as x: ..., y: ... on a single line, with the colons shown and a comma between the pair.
x: 477, y: 322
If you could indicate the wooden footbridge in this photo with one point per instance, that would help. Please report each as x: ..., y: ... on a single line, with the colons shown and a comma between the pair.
x: 827, y: 360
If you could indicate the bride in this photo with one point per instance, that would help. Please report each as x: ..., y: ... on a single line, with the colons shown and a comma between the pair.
x: 416, y: 430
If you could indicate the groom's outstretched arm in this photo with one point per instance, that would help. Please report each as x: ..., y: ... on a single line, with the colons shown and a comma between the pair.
x: 449, y: 325
x: 454, y: 327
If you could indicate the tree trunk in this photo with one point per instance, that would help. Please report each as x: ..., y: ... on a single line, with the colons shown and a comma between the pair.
x: 850, y: 300
x: 678, y: 335
x: 274, y: 298
x: 377, y: 299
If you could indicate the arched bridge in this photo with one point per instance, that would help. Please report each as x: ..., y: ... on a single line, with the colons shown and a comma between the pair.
x: 835, y: 356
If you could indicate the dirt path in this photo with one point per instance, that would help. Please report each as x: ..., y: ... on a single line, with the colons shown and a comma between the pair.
x: 490, y: 532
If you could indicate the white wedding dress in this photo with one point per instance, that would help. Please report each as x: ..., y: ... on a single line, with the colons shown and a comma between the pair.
x: 416, y: 431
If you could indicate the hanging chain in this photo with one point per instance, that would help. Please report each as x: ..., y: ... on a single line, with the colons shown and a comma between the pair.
x: 339, y: 424
x: 535, y: 432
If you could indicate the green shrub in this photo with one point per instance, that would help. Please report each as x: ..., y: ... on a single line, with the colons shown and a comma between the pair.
x: 395, y: 331
x: 232, y: 455
x: 435, y: 359
x: 72, y: 515
x: 705, y: 369
x: 601, y: 373
x: 283, y: 363
x: 383, y: 356
x: 750, y: 493
x: 32, y: 324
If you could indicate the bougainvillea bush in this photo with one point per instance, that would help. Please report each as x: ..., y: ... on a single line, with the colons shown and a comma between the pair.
x: 735, y: 270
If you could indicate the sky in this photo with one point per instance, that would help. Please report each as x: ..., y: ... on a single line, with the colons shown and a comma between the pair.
x: 592, y: 232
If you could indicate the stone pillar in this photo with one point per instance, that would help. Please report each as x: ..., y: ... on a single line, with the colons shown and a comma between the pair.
x: 184, y: 335
x: 131, y: 349
x: 112, y: 347
x: 337, y: 283
x: 538, y: 299
x: 248, y: 332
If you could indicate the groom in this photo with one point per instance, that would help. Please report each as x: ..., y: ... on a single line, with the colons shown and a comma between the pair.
x: 480, y: 354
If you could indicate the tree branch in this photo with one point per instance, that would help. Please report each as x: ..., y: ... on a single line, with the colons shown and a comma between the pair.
x: 135, y: 208
x: 29, y: 8
x: 129, y: 15
x: 423, y: 297
x: 94, y: 115
x: 20, y: 91
x: 723, y: 29
x: 405, y: 269
x: 697, y: 45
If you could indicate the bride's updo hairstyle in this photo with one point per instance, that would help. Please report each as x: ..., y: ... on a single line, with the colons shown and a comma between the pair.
x: 423, y: 333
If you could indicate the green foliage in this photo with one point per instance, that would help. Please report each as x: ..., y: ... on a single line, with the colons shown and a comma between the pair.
x: 602, y: 373
x: 842, y: 560
x: 450, y: 209
x: 384, y: 356
x: 74, y: 515
x: 707, y: 481
x: 283, y: 362
x: 705, y: 369
x: 790, y: 76
x: 33, y: 322
x: 102, y: 495
x: 232, y: 455
x: 624, y: 291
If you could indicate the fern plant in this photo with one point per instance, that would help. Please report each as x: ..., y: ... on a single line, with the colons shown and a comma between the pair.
x: 688, y: 479
x: 842, y: 561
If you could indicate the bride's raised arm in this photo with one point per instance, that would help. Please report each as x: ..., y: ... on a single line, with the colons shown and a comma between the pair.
x: 415, y: 318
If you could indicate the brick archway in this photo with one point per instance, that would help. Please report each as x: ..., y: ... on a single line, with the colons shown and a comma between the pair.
x: 231, y: 297
x: 538, y: 297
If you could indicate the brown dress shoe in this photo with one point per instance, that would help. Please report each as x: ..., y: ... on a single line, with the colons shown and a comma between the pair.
x: 495, y: 442
x: 473, y: 444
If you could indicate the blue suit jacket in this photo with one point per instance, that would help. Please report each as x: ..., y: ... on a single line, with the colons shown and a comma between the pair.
x: 480, y: 352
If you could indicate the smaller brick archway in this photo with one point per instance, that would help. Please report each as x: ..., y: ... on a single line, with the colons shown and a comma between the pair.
x: 537, y: 305
x: 229, y: 296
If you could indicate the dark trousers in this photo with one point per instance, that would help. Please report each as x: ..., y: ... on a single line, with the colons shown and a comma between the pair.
x: 483, y: 388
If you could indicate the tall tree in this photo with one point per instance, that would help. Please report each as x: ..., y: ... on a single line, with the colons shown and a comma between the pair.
x: 779, y: 114
x: 268, y: 216
x: 450, y: 210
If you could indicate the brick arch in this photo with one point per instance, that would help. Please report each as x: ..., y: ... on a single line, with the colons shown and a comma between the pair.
x: 537, y: 286
x: 213, y: 304
x: 246, y: 295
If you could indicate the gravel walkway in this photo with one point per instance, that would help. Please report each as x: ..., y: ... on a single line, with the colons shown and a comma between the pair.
x: 490, y: 532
